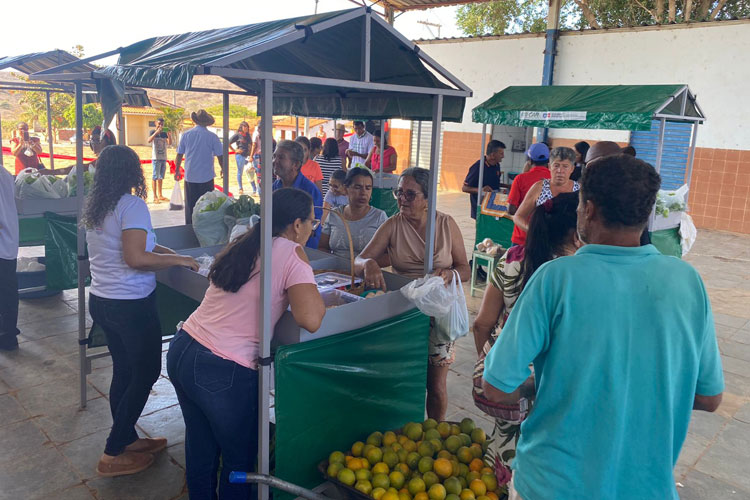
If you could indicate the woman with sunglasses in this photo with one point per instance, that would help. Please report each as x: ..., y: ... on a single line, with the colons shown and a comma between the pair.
x: 402, y: 239
x: 213, y: 359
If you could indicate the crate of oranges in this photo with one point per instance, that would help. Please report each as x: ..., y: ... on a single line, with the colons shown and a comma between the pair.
x: 421, y: 461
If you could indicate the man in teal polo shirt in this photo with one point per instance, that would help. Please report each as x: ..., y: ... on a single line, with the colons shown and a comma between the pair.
x: 623, y: 344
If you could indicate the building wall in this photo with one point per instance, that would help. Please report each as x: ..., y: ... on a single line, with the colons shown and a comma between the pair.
x: 705, y: 56
x: 137, y: 129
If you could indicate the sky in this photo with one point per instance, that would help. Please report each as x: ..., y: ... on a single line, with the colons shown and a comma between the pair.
x: 61, y: 25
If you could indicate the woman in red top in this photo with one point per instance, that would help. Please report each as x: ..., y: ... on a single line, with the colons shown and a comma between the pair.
x: 390, y: 157
x: 26, y: 149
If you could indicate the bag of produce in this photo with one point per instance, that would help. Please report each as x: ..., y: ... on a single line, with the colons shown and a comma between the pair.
x: 671, y: 201
x: 208, y: 218
x: 240, y: 210
x: 58, y: 185
x: 31, y: 185
x: 455, y: 324
x: 429, y: 294
x: 72, y: 181
x: 242, y: 226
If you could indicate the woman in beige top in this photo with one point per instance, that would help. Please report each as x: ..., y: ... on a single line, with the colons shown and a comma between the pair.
x: 402, y: 239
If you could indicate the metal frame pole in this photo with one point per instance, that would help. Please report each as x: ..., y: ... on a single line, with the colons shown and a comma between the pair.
x: 120, y: 124
x: 657, y: 164
x: 296, y: 127
x: 480, y: 192
x: 382, y: 150
x: 691, y: 159
x: 50, y: 137
x: 2, y: 160
x: 365, y: 56
x: 266, y: 329
x: 81, y: 250
x: 419, y: 140
x: 307, y: 127
x: 429, y: 246
x: 225, y: 141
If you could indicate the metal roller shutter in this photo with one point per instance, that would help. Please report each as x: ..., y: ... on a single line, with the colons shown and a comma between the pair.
x: 425, y: 146
x: 674, y: 159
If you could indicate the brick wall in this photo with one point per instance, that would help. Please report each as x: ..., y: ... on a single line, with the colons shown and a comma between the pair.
x: 401, y: 141
x: 720, y: 189
x: 460, y: 151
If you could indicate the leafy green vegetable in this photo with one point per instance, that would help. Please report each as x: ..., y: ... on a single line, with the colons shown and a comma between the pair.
x: 30, y: 179
x: 243, y: 207
x: 88, y: 181
x: 212, y: 207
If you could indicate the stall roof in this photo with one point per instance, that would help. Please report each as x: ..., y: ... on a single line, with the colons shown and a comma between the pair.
x: 624, y: 107
x: 316, y: 63
x: 404, y: 5
x: 43, y: 61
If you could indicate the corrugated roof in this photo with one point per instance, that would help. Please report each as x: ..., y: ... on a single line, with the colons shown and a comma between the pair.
x: 404, y: 5
x: 140, y: 110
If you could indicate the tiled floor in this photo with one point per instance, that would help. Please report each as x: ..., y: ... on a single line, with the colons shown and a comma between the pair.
x: 49, y: 448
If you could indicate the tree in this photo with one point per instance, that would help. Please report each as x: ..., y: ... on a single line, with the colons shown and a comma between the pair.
x: 77, y: 50
x: 513, y: 16
x: 173, y: 119
x: 235, y: 111
x: 92, y: 115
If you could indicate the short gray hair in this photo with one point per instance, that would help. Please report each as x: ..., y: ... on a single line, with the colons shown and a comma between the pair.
x: 420, y: 175
x: 295, y: 151
x: 562, y: 153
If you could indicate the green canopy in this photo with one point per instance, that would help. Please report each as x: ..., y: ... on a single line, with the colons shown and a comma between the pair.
x: 624, y: 107
x: 324, y: 53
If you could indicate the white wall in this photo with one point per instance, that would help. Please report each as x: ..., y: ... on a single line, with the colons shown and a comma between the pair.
x: 488, y: 67
x: 711, y: 58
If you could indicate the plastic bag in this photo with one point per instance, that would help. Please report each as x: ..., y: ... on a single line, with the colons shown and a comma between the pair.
x: 72, y: 181
x: 208, y: 218
x: 31, y: 185
x: 671, y: 201
x: 455, y: 324
x: 688, y: 233
x: 58, y: 185
x: 242, y: 226
x: 429, y: 294
x: 29, y: 265
x: 205, y: 262
x: 175, y: 201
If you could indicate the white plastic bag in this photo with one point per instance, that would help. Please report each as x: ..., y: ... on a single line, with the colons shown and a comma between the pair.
x: 242, y: 226
x: 205, y: 262
x: 72, y: 181
x: 30, y: 185
x: 175, y: 201
x: 208, y: 218
x: 688, y: 233
x: 429, y: 294
x: 58, y: 185
x: 671, y: 201
x: 455, y: 324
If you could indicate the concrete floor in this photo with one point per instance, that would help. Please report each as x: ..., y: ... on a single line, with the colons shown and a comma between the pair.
x: 50, y: 448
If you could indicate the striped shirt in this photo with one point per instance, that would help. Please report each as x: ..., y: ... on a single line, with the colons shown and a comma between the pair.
x: 328, y: 166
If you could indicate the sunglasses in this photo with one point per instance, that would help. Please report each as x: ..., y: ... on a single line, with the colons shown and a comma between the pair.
x: 406, y: 195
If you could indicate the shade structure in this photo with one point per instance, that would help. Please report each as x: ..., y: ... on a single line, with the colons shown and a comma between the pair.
x: 619, y: 107
x: 318, y: 63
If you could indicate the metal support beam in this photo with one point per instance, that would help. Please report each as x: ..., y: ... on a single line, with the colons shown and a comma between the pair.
x: 657, y: 164
x: 2, y: 165
x: 225, y: 142
x: 307, y: 127
x: 382, y: 148
x: 50, y: 135
x: 480, y: 192
x: 266, y: 238
x: 550, y: 49
x: 419, y: 141
x: 429, y: 247
x: 79, y: 62
x: 326, y: 82
x: 691, y: 159
x: 366, y: 38
x: 121, y: 128
x: 81, y: 240
x: 296, y: 127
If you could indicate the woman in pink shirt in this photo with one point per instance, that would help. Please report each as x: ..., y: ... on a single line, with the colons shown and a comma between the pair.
x: 213, y: 360
x: 389, y: 156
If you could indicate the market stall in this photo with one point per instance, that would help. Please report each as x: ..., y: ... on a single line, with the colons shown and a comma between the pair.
x: 296, y: 67
x: 663, y: 120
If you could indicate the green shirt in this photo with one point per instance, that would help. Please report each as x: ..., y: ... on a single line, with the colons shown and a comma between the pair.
x: 621, y: 340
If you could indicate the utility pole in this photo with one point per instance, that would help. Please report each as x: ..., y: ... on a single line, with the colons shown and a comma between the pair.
x: 435, y: 25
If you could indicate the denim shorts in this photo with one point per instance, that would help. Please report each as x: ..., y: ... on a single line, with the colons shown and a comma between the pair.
x: 160, y: 167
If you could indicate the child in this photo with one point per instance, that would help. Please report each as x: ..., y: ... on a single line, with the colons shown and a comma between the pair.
x: 336, y: 196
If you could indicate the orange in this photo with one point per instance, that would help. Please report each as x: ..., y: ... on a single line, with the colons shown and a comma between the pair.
x: 389, y: 438
x: 478, y: 487
x: 402, y: 438
x: 380, y: 468
x: 466, y: 494
x: 404, y: 495
x: 416, y: 486
x: 377, y: 493
x: 472, y: 476
x: 363, y: 486
x: 490, y: 481
x: 354, y: 464
x: 464, y: 455
x: 476, y: 465
x: 421, y: 496
x: 492, y: 496
x: 357, y: 448
x: 476, y: 450
x: 437, y: 492
x: 487, y: 470
x: 443, y: 468
x: 409, y: 445
x: 389, y: 495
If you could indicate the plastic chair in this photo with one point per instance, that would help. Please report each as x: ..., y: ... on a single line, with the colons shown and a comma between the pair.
x: 490, y: 261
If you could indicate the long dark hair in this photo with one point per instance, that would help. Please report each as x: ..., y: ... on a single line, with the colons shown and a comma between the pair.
x: 243, y: 124
x: 118, y: 172
x: 234, y: 265
x: 330, y: 149
x: 549, y: 230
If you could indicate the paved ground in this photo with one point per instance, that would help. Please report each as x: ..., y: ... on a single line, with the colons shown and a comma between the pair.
x: 50, y: 447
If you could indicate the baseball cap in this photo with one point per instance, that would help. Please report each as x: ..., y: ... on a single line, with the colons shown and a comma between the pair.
x: 538, y: 152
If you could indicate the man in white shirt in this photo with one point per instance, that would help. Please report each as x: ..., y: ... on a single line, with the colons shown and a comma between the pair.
x: 360, y: 145
x: 199, y: 145
x: 8, y: 256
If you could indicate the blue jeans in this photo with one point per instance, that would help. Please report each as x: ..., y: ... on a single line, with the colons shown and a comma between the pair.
x: 241, y: 162
x: 219, y: 402
x: 159, y: 169
x: 133, y: 334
